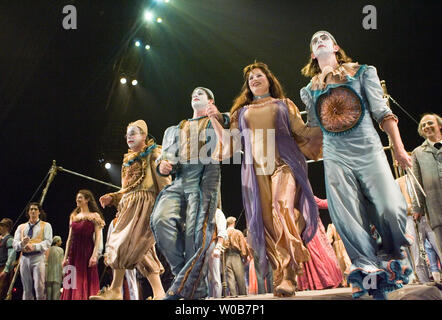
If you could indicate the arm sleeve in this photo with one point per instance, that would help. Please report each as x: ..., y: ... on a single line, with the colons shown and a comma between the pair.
x: 377, y: 104
x: 309, y: 139
x: 11, y: 255
x: 160, y: 180
x: 230, y: 143
x: 322, y: 203
x: 17, y: 239
x: 221, y: 225
x: 312, y: 120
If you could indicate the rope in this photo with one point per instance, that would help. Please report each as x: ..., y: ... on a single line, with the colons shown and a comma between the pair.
x: 32, y: 197
x: 411, y: 117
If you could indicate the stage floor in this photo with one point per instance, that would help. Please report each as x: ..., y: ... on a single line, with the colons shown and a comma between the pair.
x: 408, y: 292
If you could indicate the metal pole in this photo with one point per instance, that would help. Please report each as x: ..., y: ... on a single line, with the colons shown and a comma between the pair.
x: 390, y: 144
x: 86, y: 177
x: 52, y: 173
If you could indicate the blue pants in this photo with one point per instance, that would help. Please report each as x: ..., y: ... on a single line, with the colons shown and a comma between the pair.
x: 183, y: 222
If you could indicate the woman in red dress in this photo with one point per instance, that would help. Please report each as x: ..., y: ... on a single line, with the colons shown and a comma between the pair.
x: 81, y: 273
x: 322, y: 270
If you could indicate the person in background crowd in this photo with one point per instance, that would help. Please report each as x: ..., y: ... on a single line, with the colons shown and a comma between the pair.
x: 427, y: 168
x: 236, y: 253
x: 33, y: 238
x: 54, y: 269
x: 7, y: 256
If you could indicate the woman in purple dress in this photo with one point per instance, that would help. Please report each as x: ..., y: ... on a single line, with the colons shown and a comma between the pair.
x: 82, y: 248
x: 281, y: 211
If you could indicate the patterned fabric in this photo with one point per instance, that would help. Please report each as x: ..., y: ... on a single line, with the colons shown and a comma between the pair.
x: 339, y: 110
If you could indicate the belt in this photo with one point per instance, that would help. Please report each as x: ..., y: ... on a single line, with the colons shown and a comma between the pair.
x: 33, y: 253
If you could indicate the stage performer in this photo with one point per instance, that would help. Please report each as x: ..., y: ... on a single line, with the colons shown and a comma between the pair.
x: 85, y: 241
x: 360, y: 187
x: 33, y: 239
x: 322, y: 270
x: 281, y: 212
x: 131, y: 243
x: 427, y: 167
x: 7, y: 256
x: 183, y: 219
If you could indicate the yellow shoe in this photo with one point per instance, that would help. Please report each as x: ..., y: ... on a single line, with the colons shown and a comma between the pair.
x: 107, y: 294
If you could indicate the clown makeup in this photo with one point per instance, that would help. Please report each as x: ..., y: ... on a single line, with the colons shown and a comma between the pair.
x: 134, y: 137
x: 322, y: 44
x: 200, y: 100
x: 258, y: 82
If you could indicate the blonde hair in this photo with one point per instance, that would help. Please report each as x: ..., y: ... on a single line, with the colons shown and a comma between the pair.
x: 230, y: 220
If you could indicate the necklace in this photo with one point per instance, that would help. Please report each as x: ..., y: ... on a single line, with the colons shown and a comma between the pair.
x: 263, y: 96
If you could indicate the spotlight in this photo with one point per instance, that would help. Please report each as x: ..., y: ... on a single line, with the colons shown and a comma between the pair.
x: 159, y: 20
x: 166, y: 1
x: 147, y: 47
x: 148, y: 15
x: 137, y: 43
x: 134, y: 82
x: 123, y: 80
x: 107, y: 165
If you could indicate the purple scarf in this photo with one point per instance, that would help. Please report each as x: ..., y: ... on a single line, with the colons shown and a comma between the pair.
x: 292, y: 156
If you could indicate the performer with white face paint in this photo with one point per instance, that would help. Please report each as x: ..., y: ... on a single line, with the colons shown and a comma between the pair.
x: 183, y: 220
x: 361, y: 189
x: 131, y: 243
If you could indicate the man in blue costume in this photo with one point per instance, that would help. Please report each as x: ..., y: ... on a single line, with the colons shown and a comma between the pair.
x: 183, y: 219
x: 361, y: 190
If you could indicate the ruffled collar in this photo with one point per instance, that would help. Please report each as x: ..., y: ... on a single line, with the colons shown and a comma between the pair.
x: 269, y: 101
x: 340, y: 73
x: 131, y: 156
x: 95, y: 218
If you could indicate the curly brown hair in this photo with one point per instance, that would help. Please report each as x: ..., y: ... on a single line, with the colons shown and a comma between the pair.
x: 92, y: 204
x: 246, y: 96
x: 42, y: 215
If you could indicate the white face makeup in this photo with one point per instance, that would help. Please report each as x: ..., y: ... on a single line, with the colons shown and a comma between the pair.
x: 200, y: 100
x: 430, y: 128
x: 322, y: 44
x: 258, y: 82
x: 133, y: 137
